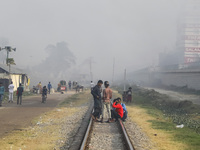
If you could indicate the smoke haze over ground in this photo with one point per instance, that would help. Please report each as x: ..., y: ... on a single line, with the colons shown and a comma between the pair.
x: 133, y: 32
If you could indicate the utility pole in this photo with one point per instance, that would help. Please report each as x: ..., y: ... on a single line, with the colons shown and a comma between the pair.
x: 8, y: 61
x: 91, y: 69
x: 113, y: 70
x: 8, y: 49
x: 125, y: 80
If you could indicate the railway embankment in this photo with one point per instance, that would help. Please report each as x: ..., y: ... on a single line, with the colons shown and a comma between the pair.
x: 169, y: 123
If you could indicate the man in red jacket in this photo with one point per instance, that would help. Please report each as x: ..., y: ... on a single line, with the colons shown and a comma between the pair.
x: 118, y: 112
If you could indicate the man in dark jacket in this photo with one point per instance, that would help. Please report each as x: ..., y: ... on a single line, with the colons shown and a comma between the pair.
x: 20, y: 90
x: 96, y: 92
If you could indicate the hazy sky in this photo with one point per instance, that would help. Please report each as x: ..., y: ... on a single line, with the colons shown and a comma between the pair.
x: 132, y: 31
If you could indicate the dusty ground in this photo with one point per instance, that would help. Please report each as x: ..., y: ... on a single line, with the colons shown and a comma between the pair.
x: 54, y: 129
x: 14, y: 117
x: 179, y: 96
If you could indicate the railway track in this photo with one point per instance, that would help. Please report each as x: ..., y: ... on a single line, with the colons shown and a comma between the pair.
x: 106, y: 136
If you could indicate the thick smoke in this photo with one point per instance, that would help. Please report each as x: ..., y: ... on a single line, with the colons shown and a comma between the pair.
x: 56, y: 66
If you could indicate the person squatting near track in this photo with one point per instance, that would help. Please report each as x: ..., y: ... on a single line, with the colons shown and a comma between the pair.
x: 96, y: 92
x: 118, y: 109
x: 107, y: 96
x: 125, y: 112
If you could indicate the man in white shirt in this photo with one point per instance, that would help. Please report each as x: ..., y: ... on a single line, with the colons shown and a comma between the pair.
x: 11, y: 90
x: 92, y: 85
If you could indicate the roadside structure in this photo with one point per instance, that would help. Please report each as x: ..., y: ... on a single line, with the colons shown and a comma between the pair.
x: 15, y: 75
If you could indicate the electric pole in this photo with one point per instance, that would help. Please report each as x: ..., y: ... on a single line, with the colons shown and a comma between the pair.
x: 113, y: 70
x: 9, y: 61
x: 125, y: 80
x: 91, y: 69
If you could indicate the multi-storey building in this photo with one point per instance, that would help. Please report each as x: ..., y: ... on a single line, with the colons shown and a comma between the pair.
x: 188, y: 38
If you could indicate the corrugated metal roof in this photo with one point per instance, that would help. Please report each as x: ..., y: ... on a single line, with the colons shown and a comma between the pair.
x: 13, y: 70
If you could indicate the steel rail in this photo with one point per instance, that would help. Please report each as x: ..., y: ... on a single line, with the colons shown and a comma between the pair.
x: 126, y: 137
x: 84, y: 143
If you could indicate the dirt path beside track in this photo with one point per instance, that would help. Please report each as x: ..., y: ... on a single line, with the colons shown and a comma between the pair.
x: 178, y: 96
x: 15, y: 117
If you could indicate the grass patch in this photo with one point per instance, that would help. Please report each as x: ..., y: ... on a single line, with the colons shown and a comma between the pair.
x: 159, y: 127
x: 42, y: 135
x: 162, y: 124
x: 76, y: 99
x: 184, y: 135
x: 159, y: 130
x: 25, y: 94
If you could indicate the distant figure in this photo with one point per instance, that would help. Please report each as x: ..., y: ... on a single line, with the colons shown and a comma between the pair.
x: 11, y: 90
x: 81, y: 87
x: 44, y: 94
x: 107, y: 95
x: 39, y: 86
x: 129, y: 95
x: 49, y: 87
x: 92, y: 85
x: 70, y: 85
x: 74, y: 83
x: 77, y: 88
x: 20, y: 90
x: 96, y: 92
x: 124, y: 96
x: 2, y: 90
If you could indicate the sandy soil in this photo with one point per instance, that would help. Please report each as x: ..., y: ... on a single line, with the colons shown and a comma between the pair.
x: 14, y: 117
x: 179, y: 96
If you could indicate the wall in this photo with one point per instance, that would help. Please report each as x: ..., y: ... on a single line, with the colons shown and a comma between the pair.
x: 191, y: 79
x: 16, y: 79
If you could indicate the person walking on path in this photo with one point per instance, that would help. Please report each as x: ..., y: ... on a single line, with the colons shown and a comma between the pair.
x: 96, y: 92
x: 49, y: 87
x: 44, y: 94
x: 11, y: 90
x: 70, y: 85
x: 20, y: 90
x: 107, y: 96
x: 2, y: 90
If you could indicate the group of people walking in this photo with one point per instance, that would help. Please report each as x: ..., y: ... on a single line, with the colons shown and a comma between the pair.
x: 103, y: 103
x: 40, y: 88
x: 127, y: 95
x: 11, y: 91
